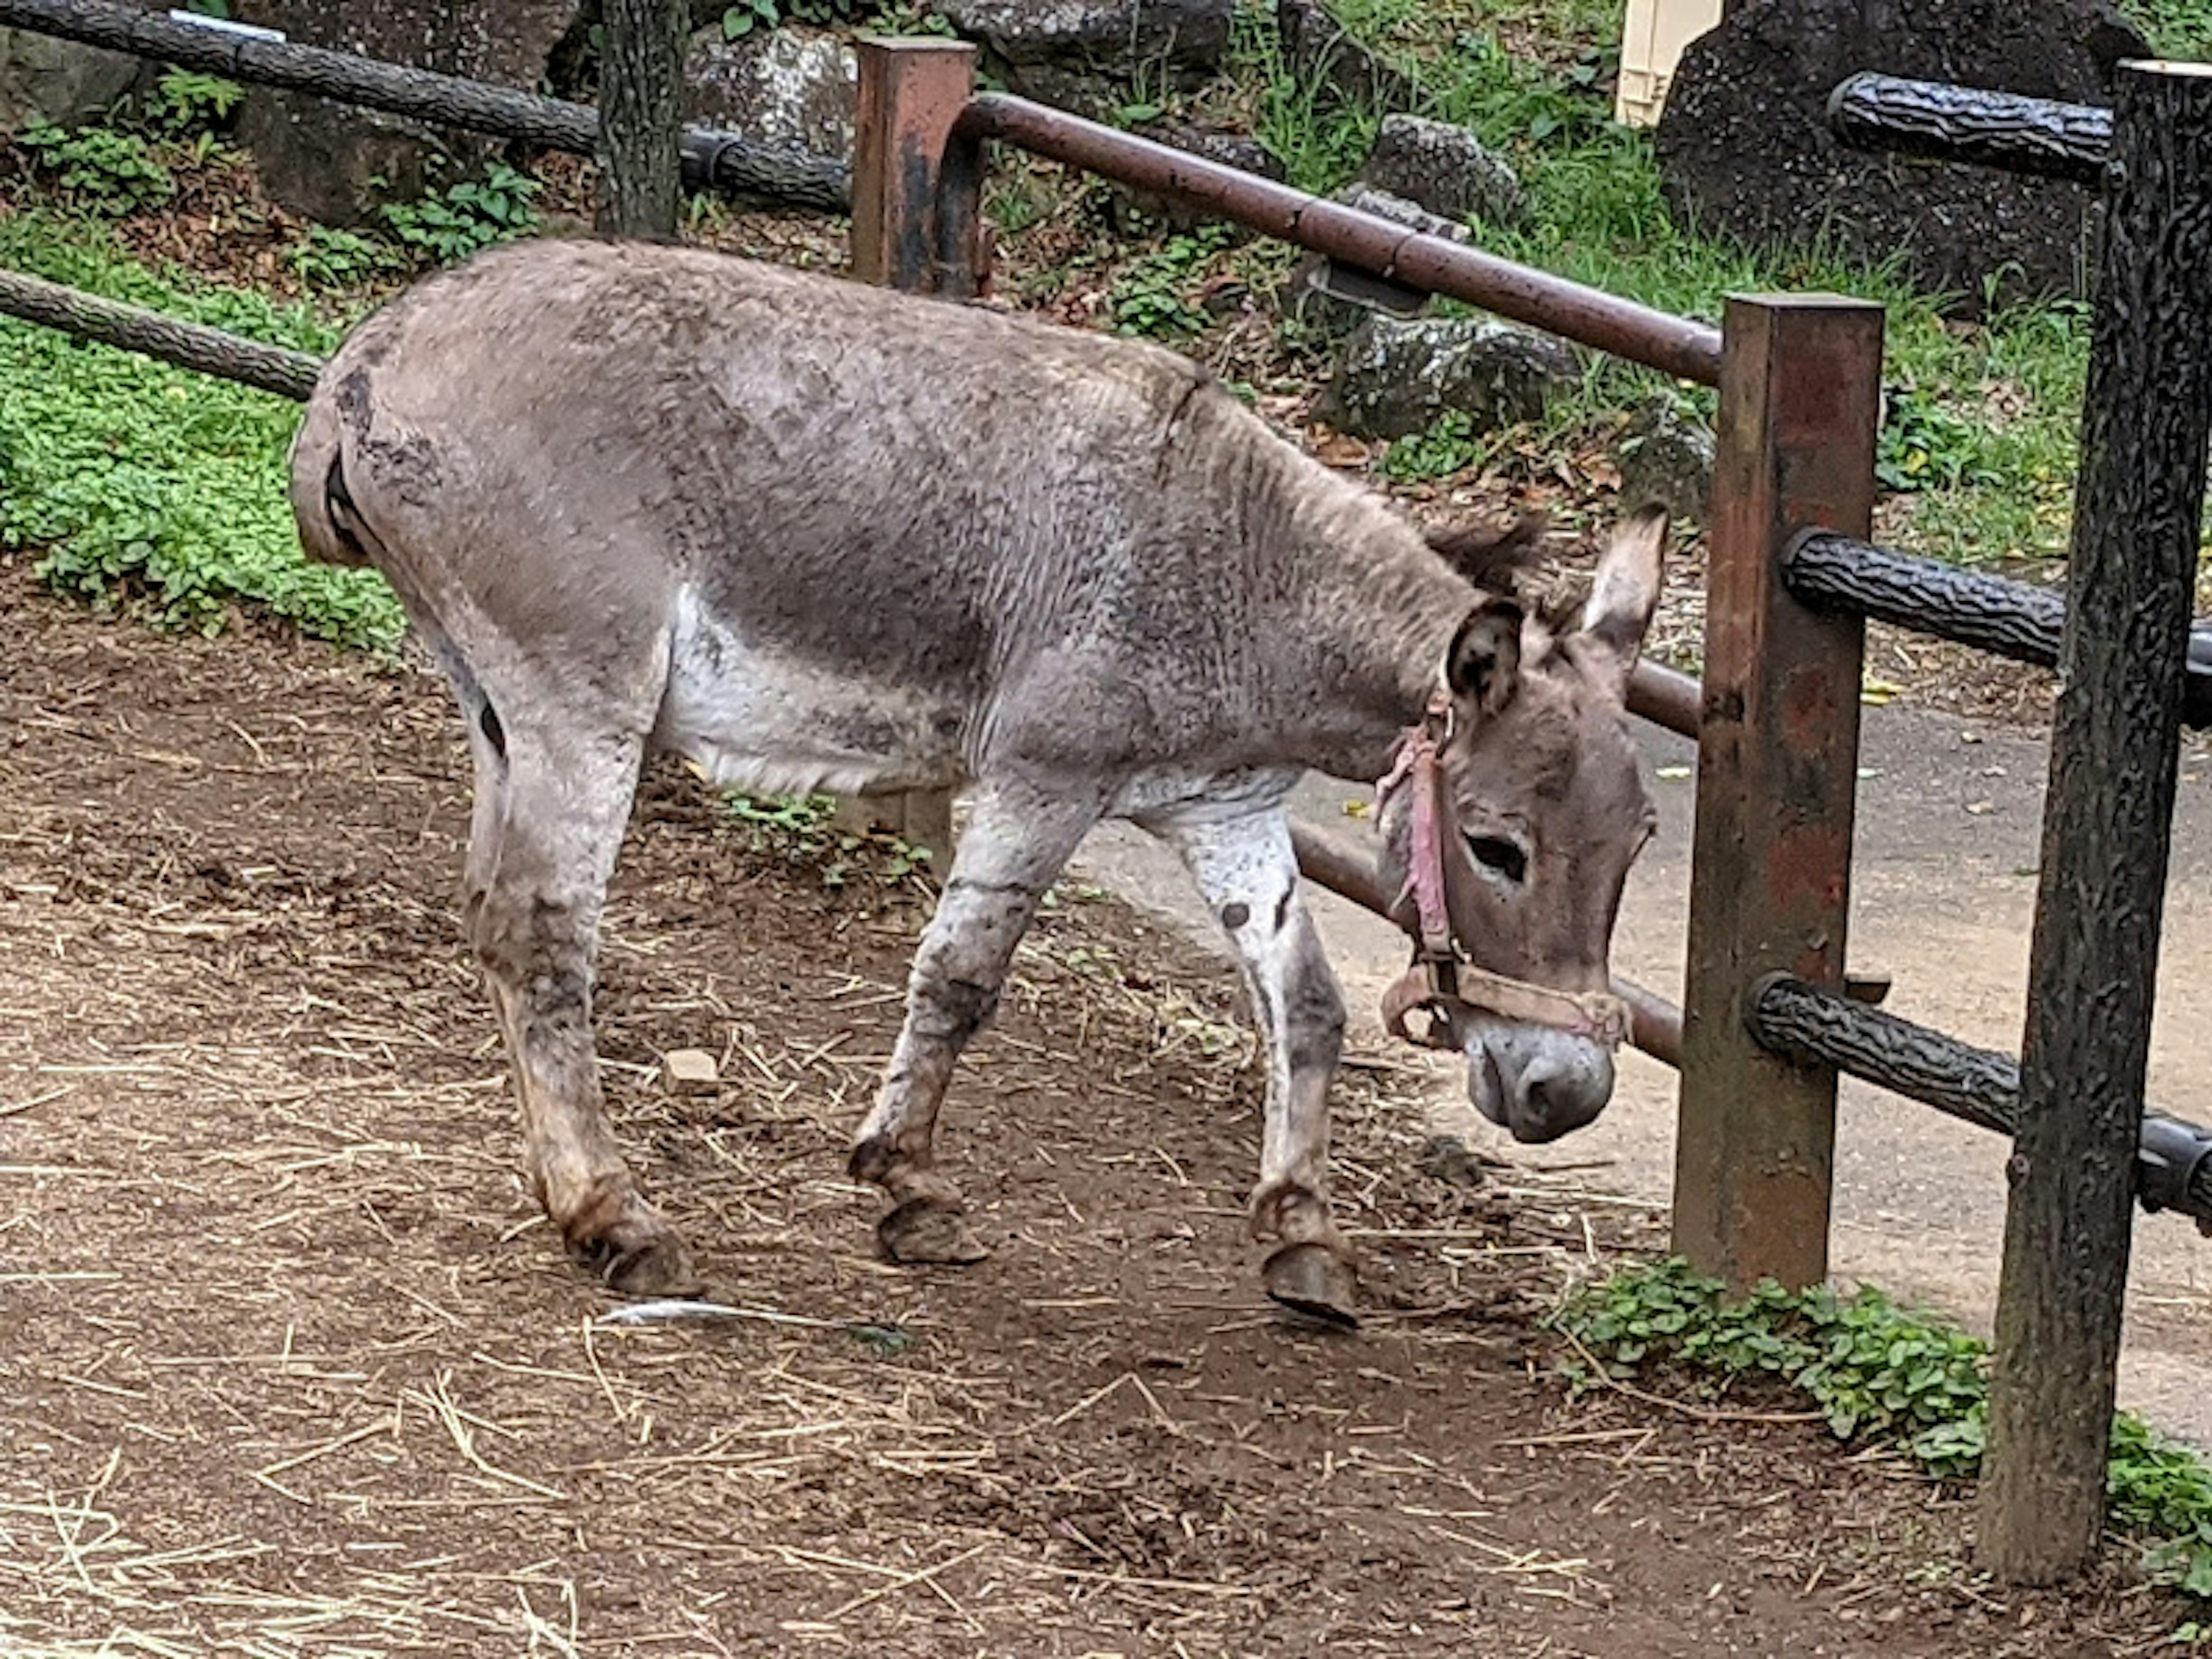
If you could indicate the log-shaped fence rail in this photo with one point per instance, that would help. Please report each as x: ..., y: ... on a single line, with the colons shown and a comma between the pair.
x: 1979, y: 1086
x: 227, y: 357
x: 713, y: 159
x: 1939, y: 122
x: 2006, y: 618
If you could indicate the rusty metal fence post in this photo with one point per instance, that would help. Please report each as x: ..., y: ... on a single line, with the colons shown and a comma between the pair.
x: 906, y: 234
x: 1777, y: 763
x: 2107, y: 823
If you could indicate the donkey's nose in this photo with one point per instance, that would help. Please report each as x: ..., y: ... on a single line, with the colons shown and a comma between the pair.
x: 1536, y: 1082
x: 1556, y: 1094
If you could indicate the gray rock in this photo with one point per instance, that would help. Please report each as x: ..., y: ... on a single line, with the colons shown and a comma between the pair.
x: 1746, y: 153
x: 1395, y: 378
x: 795, y: 89
x: 43, y: 79
x: 1332, y: 316
x: 1088, y: 54
x: 1446, y: 169
x: 1324, y: 54
x: 334, y: 161
x: 1666, y: 455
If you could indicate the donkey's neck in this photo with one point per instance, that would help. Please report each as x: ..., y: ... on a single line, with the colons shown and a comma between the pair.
x: 1376, y: 608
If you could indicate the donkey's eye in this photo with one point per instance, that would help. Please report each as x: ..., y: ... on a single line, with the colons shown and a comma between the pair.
x: 1499, y: 856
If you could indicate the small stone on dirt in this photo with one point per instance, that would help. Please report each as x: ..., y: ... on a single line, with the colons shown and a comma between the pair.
x: 1395, y: 379
x: 689, y: 1072
x: 1446, y: 169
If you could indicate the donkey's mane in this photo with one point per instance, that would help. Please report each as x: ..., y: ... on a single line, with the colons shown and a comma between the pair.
x: 1498, y: 556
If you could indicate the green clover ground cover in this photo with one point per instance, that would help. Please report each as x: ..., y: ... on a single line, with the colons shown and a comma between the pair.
x: 135, y: 482
x: 1880, y: 1374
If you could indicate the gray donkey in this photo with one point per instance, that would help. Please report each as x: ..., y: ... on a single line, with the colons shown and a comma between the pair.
x: 817, y: 536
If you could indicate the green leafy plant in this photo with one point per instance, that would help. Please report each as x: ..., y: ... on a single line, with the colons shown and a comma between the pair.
x: 747, y: 16
x: 1452, y: 443
x: 1878, y: 1373
x: 741, y: 20
x: 804, y: 829
x: 98, y: 169
x: 1924, y: 445
x: 184, y: 102
x: 447, y: 225
x: 1153, y: 295
x: 327, y: 259
x: 137, y: 484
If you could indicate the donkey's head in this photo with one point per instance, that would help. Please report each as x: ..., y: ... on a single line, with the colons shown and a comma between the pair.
x: 1509, y: 830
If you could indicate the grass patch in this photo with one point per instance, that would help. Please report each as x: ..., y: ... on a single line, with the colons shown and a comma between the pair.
x: 1880, y: 1374
x: 145, y: 485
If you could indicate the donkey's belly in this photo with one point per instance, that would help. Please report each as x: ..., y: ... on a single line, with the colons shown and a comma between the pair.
x: 772, y: 724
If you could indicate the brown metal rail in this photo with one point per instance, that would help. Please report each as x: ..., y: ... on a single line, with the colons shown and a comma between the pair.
x: 1688, y: 349
x: 1666, y: 698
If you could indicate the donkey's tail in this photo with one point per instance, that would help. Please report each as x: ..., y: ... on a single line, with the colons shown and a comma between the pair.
x: 331, y: 528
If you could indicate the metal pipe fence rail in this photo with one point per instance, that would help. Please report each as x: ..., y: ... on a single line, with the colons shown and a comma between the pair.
x: 713, y: 159
x: 1434, y: 264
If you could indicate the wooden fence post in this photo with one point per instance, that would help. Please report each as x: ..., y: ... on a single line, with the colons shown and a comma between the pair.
x: 1777, y: 763
x: 2107, y: 819
x: 642, y: 117
x: 915, y: 226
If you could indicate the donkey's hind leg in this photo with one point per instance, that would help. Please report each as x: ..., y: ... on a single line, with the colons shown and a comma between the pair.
x: 1015, y: 842
x: 553, y: 797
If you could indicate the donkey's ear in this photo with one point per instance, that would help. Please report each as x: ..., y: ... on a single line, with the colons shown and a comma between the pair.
x: 1483, y: 667
x: 1626, y: 591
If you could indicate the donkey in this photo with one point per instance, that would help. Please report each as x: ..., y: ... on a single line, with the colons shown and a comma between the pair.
x: 817, y: 536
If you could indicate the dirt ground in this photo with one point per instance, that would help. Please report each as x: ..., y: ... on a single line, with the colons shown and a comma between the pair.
x: 293, y: 1366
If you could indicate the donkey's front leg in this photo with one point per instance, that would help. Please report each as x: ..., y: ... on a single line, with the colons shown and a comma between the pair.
x: 1244, y: 864
x: 1017, y: 841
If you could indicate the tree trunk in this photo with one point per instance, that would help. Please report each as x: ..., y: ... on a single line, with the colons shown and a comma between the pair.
x: 640, y: 115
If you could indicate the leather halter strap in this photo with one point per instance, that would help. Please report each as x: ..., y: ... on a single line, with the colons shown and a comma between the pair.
x: 1441, y: 982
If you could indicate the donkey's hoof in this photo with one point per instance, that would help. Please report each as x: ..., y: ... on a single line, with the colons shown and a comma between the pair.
x: 657, y: 1266
x: 1313, y: 1280
x: 922, y: 1230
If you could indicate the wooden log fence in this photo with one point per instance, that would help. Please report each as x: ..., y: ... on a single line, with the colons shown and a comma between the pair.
x: 2123, y: 656
x: 713, y: 159
x: 2006, y: 618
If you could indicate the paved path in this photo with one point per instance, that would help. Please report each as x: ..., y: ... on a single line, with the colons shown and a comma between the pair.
x: 1944, y: 900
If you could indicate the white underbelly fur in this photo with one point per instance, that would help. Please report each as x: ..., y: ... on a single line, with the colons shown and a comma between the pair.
x: 767, y: 725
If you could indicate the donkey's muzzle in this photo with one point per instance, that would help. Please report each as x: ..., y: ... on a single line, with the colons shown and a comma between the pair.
x: 1536, y: 1082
